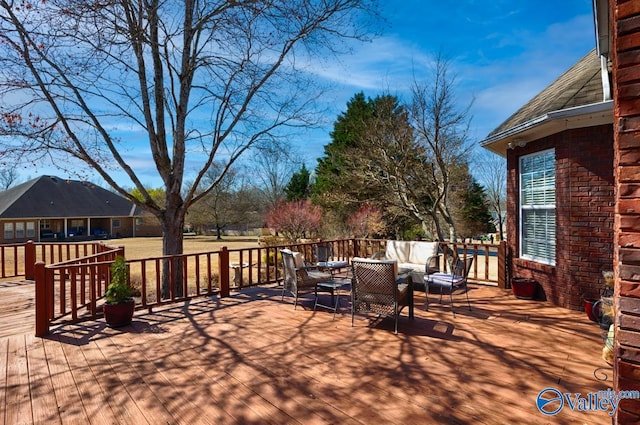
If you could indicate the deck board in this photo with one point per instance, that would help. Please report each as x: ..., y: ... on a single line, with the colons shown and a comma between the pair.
x: 252, y: 359
x: 43, y: 401
x: 18, y: 402
x: 94, y: 401
x: 69, y: 404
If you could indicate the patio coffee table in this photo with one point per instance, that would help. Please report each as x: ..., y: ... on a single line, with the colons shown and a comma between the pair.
x: 335, y: 287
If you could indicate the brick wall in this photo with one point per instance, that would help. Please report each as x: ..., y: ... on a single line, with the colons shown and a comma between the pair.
x: 148, y: 226
x: 585, y: 209
x: 626, y: 92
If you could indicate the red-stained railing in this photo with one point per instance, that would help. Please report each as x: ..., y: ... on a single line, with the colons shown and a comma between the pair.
x: 71, y: 290
x: 18, y: 259
x: 10, y: 264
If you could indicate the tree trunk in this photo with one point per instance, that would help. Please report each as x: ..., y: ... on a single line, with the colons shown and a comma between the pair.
x: 172, y: 242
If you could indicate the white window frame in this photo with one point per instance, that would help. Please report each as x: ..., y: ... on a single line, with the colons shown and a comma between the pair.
x: 538, y: 198
x: 31, y: 229
x: 19, y: 230
x: 8, y: 231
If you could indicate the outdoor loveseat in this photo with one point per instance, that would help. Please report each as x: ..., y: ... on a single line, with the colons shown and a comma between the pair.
x: 417, y: 256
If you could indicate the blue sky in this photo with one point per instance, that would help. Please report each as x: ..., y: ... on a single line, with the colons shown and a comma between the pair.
x: 502, y: 52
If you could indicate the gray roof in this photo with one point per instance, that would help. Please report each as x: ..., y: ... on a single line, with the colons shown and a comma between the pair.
x: 53, y: 197
x: 580, y: 85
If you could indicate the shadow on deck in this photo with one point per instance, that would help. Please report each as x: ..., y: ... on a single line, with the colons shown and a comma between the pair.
x: 251, y: 358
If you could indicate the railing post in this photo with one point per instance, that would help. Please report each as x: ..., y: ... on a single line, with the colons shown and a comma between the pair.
x: 223, y: 271
x: 42, y: 307
x: 356, y: 247
x: 29, y: 260
x: 502, y: 265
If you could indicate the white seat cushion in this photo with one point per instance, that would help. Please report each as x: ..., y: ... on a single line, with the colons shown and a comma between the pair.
x: 333, y: 264
x: 422, y: 251
x: 444, y: 279
x: 298, y: 259
x: 412, y: 266
x: 398, y: 250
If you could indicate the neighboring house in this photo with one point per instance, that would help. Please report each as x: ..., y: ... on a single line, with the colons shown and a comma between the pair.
x: 560, y: 184
x: 51, y: 208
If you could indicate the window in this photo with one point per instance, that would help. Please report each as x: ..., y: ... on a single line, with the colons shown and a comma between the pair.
x: 116, y: 223
x: 8, y: 230
x: 45, y: 224
x: 31, y: 229
x: 538, y: 207
x: 19, y: 230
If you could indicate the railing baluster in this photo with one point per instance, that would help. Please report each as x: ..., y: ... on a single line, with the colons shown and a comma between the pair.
x: 73, y: 292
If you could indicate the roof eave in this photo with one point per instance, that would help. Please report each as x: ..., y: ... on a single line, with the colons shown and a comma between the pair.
x: 550, y: 123
x: 601, y: 23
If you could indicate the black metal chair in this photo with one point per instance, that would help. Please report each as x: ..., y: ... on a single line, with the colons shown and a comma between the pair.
x: 453, y: 281
x: 324, y: 259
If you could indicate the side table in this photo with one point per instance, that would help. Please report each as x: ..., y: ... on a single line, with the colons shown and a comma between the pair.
x: 335, y: 287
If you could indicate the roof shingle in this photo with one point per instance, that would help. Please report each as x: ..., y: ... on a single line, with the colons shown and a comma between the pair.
x: 53, y: 197
x: 580, y: 85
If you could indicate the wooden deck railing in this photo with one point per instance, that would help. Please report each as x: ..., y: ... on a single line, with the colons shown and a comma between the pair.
x: 71, y: 290
x: 10, y: 255
x: 18, y: 259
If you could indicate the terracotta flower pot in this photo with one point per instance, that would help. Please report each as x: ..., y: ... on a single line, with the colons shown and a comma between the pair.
x: 117, y: 315
x: 588, y: 308
x: 523, y: 288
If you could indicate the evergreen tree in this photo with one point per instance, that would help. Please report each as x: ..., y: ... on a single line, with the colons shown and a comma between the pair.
x: 476, y: 218
x: 298, y: 187
x: 348, y: 128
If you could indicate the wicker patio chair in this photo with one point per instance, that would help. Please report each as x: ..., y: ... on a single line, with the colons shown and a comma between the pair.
x: 298, y: 277
x: 453, y: 281
x: 374, y: 289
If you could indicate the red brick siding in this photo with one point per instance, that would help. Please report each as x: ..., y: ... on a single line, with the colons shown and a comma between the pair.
x: 626, y: 91
x: 149, y: 225
x: 584, y: 214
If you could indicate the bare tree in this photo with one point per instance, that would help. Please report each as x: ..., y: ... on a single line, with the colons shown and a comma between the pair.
x: 441, y: 126
x: 492, y: 173
x: 274, y: 166
x: 199, y: 79
x: 227, y: 204
x: 8, y: 177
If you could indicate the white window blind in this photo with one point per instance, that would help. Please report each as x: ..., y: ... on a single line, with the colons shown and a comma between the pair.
x: 8, y: 230
x: 538, y: 207
x: 31, y: 229
x: 19, y: 230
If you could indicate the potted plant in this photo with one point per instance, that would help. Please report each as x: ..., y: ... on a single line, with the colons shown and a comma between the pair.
x: 606, y: 301
x: 588, y: 308
x: 119, y: 306
x: 594, y: 306
x: 524, y: 288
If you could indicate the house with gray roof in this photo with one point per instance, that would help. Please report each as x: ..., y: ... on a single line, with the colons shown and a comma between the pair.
x: 560, y: 183
x: 51, y: 208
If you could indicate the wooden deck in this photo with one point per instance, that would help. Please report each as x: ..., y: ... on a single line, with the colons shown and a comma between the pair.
x: 252, y: 359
